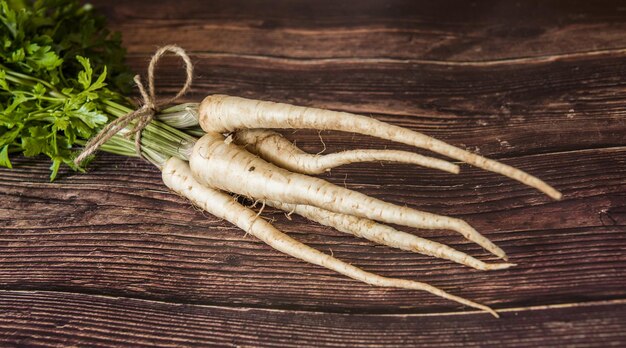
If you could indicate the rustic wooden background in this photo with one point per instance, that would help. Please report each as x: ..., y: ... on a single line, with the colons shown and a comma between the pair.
x: 113, y: 258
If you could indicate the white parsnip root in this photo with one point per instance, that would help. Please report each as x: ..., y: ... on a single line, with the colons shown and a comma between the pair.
x: 178, y: 177
x: 386, y: 235
x: 221, y: 114
x: 228, y: 167
x: 276, y: 149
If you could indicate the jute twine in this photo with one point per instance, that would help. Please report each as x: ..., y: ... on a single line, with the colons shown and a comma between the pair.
x: 150, y: 106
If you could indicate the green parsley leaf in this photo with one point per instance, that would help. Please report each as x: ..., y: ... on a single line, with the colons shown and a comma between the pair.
x: 54, y: 168
x: 51, y: 94
x: 84, y: 77
x: 4, y: 157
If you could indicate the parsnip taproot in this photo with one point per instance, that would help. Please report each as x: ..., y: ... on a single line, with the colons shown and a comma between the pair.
x: 385, y: 235
x: 276, y: 149
x: 178, y: 177
x: 222, y: 113
x: 229, y: 167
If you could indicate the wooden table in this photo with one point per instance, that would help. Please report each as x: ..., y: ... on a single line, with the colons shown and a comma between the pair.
x: 112, y: 258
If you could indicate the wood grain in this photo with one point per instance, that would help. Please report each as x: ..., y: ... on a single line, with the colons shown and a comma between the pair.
x: 442, y: 30
x: 112, y: 258
x: 500, y: 110
x: 130, y: 237
x: 64, y: 319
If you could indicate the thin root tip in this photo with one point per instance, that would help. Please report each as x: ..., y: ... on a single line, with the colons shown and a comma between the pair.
x: 499, y: 266
x: 552, y: 193
x: 492, y: 312
x: 455, y: 169
x: 500, y: 254
x: 487, y: 309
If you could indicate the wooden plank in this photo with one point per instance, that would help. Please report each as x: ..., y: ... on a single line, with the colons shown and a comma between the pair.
x: 441, y: 30
x: 502, y: 110
x: 538, y: 84
x: 51, y: 319
x: 118, y: 231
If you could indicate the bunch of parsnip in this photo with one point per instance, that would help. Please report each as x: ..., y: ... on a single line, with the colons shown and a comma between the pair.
x: 51, y: 100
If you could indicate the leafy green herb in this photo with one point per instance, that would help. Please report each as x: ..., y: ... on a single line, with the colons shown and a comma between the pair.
x: 61, y: 72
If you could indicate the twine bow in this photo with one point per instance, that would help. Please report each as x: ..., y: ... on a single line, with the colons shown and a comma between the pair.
x: 148, y: 109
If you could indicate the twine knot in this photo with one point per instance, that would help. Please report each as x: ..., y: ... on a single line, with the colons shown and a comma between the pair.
x: 144, y: 114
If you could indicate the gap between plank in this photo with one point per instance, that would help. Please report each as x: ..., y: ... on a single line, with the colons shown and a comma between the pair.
x: 470, y: 63
x: 621, y: 301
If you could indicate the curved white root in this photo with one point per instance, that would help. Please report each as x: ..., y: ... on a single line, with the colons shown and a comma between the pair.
x: 386, y: 235
x: 221, y: 113
x: 276, y: 149
x: 233, y: 169
x: 178, y: 177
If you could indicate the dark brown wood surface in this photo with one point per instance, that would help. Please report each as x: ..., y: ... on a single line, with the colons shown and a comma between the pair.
x: 112, y: 258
